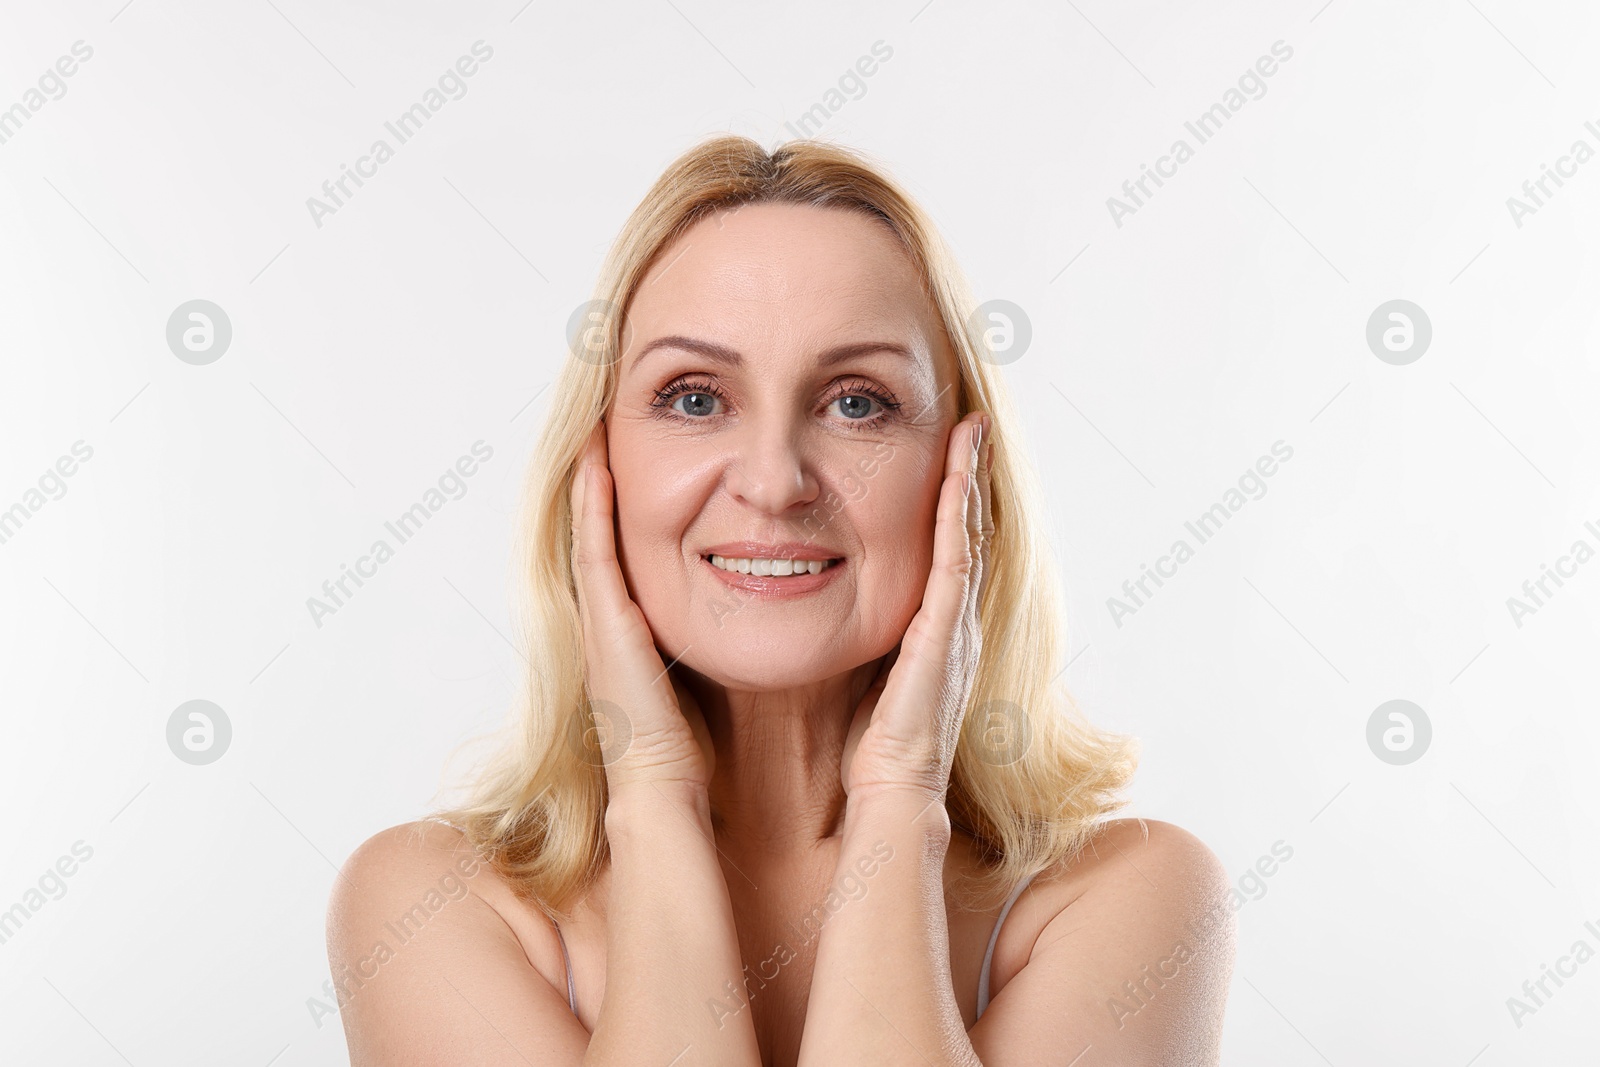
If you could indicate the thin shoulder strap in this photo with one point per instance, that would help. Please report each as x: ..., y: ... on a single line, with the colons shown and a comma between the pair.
x: 566, y: 963
x: 994, y: 938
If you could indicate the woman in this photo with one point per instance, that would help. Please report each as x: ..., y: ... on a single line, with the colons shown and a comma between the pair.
x: 791, y: 783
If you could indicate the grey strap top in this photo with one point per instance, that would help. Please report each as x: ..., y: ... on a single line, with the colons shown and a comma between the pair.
x: 983, y: 977
x: 566, y: 963
x: 988, y: 956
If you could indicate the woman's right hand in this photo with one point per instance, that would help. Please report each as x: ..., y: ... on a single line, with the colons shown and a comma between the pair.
x: 651, y: 728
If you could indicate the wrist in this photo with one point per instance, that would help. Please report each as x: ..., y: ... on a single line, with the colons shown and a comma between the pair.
x: 648, y: 802
x: 899, y: 810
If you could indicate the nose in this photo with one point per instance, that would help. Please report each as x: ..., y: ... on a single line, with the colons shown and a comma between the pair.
x: 768, y: 470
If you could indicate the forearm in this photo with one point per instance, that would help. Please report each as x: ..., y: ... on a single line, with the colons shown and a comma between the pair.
x: 670, y: 938
x: 881, y: 990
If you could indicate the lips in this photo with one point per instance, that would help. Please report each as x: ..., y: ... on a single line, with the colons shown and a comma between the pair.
x: 777, y: 588
x: 803, y: 550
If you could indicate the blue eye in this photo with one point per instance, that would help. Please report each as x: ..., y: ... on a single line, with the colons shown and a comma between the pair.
x: 701, y: 400
x: 703, y: 396
x: 862, y: 401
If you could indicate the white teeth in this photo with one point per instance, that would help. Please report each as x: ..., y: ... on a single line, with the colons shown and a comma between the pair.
x: 777, y: 568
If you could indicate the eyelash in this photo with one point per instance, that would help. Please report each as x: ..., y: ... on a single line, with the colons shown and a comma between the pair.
x: 690, y: 385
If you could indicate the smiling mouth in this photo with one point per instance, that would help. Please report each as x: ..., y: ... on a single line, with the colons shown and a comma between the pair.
x: 774, y: 568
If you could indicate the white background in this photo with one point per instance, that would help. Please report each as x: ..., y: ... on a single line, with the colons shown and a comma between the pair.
x: 1227, y: 313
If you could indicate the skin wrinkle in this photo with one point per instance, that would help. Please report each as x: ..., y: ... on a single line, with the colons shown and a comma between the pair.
x: 778, y: 683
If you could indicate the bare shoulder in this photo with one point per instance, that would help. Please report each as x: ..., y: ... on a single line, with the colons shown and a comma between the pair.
x: 1167, y: 861
x: 1129, y: 944
x: 1139, y: 878
x: 424, y: 962
x: 410, y: 847
x: 412, y: 860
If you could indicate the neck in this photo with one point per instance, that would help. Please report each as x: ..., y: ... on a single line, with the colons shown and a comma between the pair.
x: 775, y: 786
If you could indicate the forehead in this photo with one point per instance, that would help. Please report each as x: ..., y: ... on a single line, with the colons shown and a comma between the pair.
x: 771, y: 276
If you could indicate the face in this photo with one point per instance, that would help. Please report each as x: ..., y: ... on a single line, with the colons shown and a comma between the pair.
x: 787, y: 392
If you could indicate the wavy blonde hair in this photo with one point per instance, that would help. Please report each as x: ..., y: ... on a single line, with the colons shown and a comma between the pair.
x: 1032, y: 779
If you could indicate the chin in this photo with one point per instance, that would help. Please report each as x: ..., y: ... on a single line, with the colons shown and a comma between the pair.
x: 732, y: 669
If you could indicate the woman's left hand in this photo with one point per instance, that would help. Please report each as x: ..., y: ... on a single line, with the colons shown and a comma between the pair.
x: 903, y: 737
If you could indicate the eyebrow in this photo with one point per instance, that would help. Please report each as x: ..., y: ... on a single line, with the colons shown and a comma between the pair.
x: 731, y: 358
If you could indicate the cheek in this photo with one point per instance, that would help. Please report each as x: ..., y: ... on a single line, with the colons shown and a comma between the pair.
x: 891, y: 512
x: 654, y: 505
x: 655, y: 502
x: 646, y: 513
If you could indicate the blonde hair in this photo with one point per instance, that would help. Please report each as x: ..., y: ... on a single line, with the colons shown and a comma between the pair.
x: 537, y: 810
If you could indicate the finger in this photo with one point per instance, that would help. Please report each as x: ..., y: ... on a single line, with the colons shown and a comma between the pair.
x: 986, y: 530
x: 975, y: 504
x: 952, y: 539
x: 967, y: 458
x: 614, y: 629
x: 961, y: 452
x: 600, y: 585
